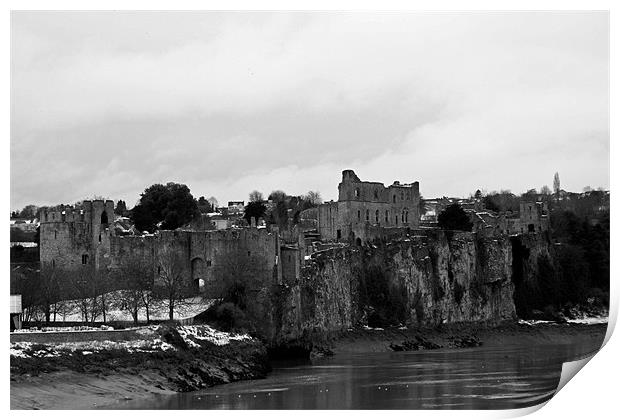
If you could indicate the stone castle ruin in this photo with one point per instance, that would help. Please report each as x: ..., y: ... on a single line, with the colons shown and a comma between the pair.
x: 72, y: 238
x: 362, y: 205
x: 88, y: 235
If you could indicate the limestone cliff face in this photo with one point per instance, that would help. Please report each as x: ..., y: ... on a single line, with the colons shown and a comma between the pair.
x: 419, y: 281
x: 457, y: 279
x: 528, y: 250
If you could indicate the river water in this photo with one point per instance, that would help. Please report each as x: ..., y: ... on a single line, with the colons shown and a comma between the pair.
x: 477, y: 378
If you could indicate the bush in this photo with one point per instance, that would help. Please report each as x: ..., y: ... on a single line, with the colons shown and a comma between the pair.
x: 227, y: 316
x: 599, y: 296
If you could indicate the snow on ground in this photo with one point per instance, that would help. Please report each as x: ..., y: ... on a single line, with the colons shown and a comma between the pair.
x: 589, y: 320
x: 585, y: 320
x: 188, y: 309
x: 26, y: 349
x: 534, y: 322
x: 192, y: 335
x: 206, y: 333
x: 366, y: 327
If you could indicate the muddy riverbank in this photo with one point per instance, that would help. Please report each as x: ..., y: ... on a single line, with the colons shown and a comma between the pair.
x: 95, y: 374
x: 161, y: 360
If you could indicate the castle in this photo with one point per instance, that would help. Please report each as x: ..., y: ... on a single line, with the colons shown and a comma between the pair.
x: 88, y: 235
x: 74, y: 237
x: 363, y: 204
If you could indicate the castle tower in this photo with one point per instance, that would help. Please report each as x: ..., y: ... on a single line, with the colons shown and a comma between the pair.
x: 74, y: 237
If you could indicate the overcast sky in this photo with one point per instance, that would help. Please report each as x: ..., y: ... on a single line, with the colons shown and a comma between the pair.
x: 108, y: 103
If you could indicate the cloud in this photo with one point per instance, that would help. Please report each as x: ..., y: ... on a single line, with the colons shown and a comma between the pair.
x: 227, y: 100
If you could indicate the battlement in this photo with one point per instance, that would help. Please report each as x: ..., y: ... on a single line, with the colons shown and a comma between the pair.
x: 85, y: 212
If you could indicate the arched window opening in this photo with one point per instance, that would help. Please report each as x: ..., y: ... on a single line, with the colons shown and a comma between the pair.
x: 198, y: 273
x: 387, y: 216
x: 357, y: 192
x: 394, y: 198
x: 359, y: 215
x: 377, y: 216
x: 199, y: 285
x: 376, y: 195
x: 367, y: 215
x: 396, y: 219
x: 104, y: 218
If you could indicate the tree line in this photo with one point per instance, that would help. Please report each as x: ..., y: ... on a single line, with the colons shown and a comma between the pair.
x: 134, y: 287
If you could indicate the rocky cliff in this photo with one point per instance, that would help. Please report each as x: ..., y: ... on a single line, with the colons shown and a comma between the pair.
x: 424, y: 280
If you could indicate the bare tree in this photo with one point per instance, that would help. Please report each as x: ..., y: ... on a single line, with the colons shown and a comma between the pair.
x: 85, y: 288
x: 49, y: 290
x: 313, y: 197
x: 148, y: 301
x: 105, y: 284
x: 238, y: 275
x: 135, y: 279
x: 169, y: 286
x: 545, y: 190
x: 256, y: 197
x: 277, y: 196
x: 214, y: 203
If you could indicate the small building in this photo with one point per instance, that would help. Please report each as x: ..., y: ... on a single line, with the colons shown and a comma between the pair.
x: 15, y: 304
x: 236, y: 207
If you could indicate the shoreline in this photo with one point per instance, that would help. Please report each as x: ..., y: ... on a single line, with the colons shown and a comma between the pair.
x: 164, y: 360
x: 102, y: 387
x: 458, y: 335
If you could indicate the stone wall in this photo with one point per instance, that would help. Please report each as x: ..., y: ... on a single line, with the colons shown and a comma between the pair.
x: 200, y: 252
x: 71, y: 237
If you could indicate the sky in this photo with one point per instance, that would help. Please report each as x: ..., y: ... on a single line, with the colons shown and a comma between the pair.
x: 109, y: 103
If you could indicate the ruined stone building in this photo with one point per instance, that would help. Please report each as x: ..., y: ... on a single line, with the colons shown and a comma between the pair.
x: 89, y: 235
x: 72, y: 238
x: 364, y: 205
x: 532, y: 217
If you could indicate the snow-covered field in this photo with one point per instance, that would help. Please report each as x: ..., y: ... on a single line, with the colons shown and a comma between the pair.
x: 69, y: 310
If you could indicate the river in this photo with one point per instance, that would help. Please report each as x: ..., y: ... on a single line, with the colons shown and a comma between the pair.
x: 476, y: 378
